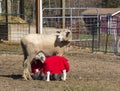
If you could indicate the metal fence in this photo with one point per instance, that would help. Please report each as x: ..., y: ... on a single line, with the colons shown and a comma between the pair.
x: 80, y: 25
x: 97, y: 32
x: 12, y: 29
x: 109, y: 33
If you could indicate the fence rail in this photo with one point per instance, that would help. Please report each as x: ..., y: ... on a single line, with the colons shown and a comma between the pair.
x: 12, y: 29
x: 97, y: 32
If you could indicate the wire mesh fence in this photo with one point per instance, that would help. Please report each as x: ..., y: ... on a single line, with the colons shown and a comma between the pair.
x: 12, y: 29
x: 83, y: 27
x: 97, y: 32
x: 109, y: 28
x: 89, y: 72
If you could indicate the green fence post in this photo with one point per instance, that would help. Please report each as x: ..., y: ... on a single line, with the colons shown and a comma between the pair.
x: 108, y: 30
x: 98, y: 28
x: 92, y: 40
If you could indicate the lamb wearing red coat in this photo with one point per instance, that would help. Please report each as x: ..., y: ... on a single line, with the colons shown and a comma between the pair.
x: 53, y: 65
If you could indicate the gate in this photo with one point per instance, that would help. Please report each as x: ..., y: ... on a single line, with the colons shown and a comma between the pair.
x: 109, y: 33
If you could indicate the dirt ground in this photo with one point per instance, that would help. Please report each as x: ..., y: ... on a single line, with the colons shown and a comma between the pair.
x: 88, y: 72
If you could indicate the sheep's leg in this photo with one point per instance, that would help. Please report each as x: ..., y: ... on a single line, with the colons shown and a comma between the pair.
x: 64, y: 75
x: 48, y: 76
x: 30, y: 58
x: 29, y: 72
x: 26, y: 70
x: 26, y: 74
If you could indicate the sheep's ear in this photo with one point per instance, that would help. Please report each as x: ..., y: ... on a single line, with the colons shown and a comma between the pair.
x: 67, y: 34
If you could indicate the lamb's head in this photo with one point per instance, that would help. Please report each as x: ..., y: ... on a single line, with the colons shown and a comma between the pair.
x: 65, y: 35
x: 40, y: 56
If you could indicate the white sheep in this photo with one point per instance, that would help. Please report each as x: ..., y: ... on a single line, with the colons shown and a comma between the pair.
x: 49, y: 44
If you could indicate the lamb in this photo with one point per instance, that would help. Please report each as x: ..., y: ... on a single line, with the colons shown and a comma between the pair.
x: 50, y: 44
x: 50, y: 65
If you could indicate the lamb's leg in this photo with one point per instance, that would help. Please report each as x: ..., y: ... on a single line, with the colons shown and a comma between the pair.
x: 64, y: 75
x: 48, y: 76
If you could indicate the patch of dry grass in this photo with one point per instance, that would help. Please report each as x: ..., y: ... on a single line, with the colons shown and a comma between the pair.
x: 88, y: 72
x: 8, y: 46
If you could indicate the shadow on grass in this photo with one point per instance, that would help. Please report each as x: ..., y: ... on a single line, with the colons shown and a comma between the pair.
x: 13, y: 76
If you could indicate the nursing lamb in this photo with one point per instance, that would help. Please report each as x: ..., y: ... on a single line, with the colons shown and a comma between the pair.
x: 49, y: 44
x: 50, y: 66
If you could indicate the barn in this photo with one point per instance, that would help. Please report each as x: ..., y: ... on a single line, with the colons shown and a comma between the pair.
x: 108, y: 19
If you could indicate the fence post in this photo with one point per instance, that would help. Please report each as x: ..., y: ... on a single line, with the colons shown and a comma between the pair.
x: 92, y: 40
x: 108, y: 31
x: 114, y: 33
x: 71, y: 19
x: 63, y: 13
x: 98, y: 28
x: 93, y: 34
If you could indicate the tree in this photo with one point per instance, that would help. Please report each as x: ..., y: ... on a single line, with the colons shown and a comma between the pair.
x: 110, y: 3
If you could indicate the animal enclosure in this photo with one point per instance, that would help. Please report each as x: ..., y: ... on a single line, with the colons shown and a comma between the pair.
x: 91, y: 32
x: 97, y: 32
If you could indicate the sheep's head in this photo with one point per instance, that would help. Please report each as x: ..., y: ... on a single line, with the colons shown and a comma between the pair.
x: 65, y: 35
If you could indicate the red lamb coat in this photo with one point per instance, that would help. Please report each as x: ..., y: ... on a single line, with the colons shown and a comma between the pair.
x: 55, y: 64
x: 36, y: 65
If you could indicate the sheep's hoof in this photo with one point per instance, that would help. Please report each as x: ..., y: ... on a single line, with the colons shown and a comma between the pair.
x: 30, y: 78
x: 24, y: 77
x: 27, y: 77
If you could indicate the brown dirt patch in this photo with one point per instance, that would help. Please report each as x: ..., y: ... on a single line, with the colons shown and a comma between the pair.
x: 89, y: 72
